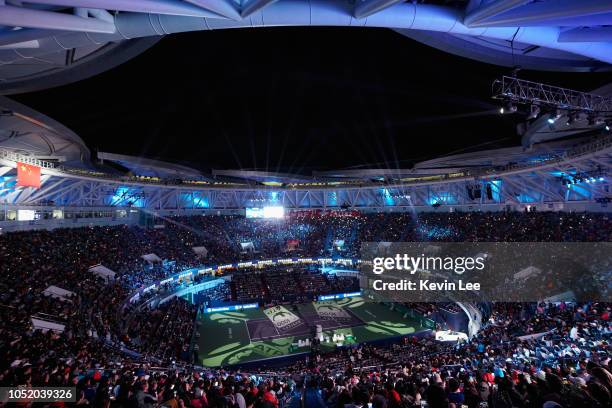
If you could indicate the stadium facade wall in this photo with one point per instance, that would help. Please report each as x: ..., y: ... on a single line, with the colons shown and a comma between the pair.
x: 74, y: 217
x: 49, y: 218
x: 548, y: 206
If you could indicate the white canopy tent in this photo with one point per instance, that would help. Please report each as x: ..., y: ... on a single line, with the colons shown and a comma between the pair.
x: 383, y: 248
x: 58, y: 293
x: 152, y: 258
x: 200, y: 251
x: 528, y: 272
x: 103, y: 272
x: 247, y: 247
x: 45, y: 325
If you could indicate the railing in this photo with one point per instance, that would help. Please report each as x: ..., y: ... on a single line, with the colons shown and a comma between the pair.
x: 17, y: 157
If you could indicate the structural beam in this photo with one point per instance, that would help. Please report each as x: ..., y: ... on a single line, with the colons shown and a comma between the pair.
x: 591, y: 20
x: 492, y: 9
x: 25, y: 36
x: 544, y: 13
x: 4, y: 170
x: 587, y: 34
x: 169, y: 7
x: 254, y: 6
x: 21, y: 45
x: 101, y: 15
x: 222, y: 7
x: 31, y: 18
x: 365, y: 8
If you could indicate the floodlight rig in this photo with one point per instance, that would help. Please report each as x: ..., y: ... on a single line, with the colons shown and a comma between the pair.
x: 540, y: 97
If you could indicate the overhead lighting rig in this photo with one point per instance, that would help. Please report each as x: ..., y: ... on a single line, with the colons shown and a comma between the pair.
x: 542, y: 98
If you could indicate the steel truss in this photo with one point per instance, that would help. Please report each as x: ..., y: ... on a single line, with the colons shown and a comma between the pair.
x: 526, y: 92
x: 542, y: 183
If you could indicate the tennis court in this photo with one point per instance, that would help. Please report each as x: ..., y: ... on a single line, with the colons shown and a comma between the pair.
x: 308, y: 319
x: 237, y: 337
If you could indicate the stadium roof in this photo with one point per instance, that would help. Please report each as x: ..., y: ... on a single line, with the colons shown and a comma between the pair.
x: 578, y: 174
x: 481, y: 159
x: 263, y: 177
x: 421, y: 171
x: 46, y: 43
x: 31, y: 133
x: 151, y: 167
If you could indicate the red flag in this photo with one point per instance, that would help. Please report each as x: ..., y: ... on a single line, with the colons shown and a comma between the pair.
x: 28, y: 175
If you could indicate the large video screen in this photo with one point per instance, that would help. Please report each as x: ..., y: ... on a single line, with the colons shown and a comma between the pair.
x: 254, y: 212
x: 26, y: 215
x: 266, y: 212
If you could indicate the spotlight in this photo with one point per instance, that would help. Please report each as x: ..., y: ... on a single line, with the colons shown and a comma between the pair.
x: 607, y: 128
x: 508, y: 108
x: 551, y: 120
x: 601, y: 179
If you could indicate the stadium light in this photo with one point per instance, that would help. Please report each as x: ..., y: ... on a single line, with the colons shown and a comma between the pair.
x: 554, y: 116
x: 508, y: 108
x: 273, y: 212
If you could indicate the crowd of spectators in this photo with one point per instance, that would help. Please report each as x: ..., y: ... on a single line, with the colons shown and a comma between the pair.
x: 428, y: 309
x: 248, y: 287
x: 570, y: 367
x: 107, y: 348
x: 166, y: 329
x: 288, y: 284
